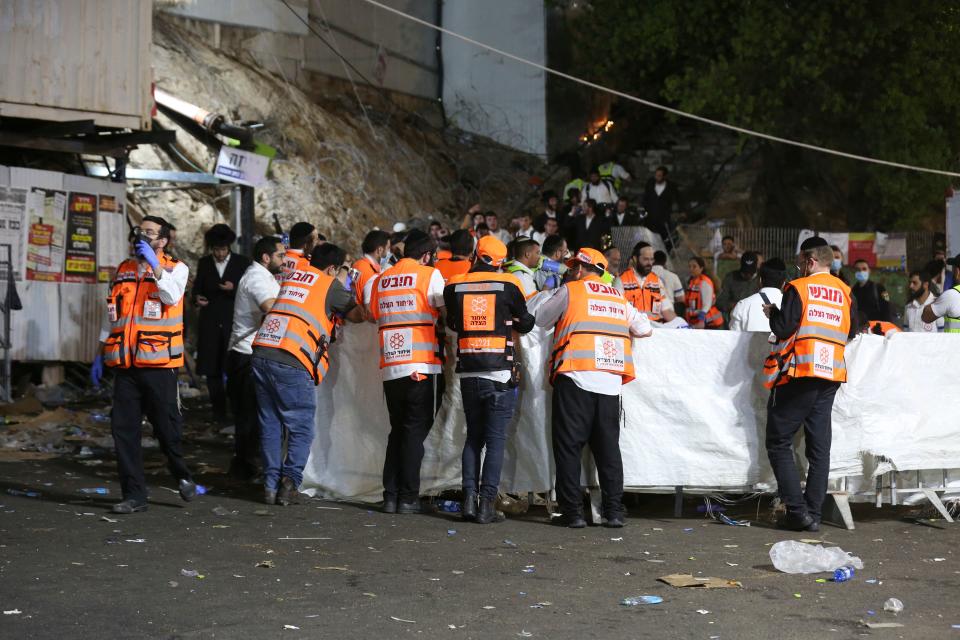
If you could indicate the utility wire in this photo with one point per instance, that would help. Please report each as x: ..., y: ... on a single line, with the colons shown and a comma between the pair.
x: 654, y: 105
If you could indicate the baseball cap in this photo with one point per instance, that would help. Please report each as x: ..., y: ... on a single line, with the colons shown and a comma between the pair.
x: 955, y: 261
x: 748, y: 262
x: 589, y: 256
x: 491, y: 251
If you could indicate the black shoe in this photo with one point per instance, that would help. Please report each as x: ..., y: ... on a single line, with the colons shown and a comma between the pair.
x: 414, y: 507
x: 129, y: 506
x: 389, y: 505
x: 188, y: 490
x: 796, y: 522
x: 269, y: 497
x: 287, y: 493
x: 614, y: 522
x: 488, y: 511
x: 813, y: 527
x: 573, y: 522
x: 469, y: 508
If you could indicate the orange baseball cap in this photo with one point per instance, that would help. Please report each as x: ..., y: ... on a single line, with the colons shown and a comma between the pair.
x: 491, y: 251
x: 589, y: 256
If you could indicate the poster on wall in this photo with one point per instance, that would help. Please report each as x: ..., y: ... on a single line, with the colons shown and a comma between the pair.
x: 13, y: 206
x: 112, y: 247
x: 81, y: 250
x: 862, y: 247
x: 45, y: 234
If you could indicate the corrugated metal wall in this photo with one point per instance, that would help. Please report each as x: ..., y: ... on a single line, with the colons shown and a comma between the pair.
x: 89, y: 57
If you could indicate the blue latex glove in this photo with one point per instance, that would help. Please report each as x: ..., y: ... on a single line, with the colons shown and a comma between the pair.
x: 96, y: 371
x: 145, y: 251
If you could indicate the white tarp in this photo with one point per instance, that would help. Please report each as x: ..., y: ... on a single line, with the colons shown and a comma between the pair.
x: 694, y: 417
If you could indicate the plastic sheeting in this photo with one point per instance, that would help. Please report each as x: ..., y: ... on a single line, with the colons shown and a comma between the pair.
x: 694, y: 416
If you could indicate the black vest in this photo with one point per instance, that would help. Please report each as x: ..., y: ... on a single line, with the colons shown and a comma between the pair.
x: 485, y: 339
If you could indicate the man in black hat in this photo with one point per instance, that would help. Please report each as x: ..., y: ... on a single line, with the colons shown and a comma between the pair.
x: 739, y: 284
x: 804, y: 370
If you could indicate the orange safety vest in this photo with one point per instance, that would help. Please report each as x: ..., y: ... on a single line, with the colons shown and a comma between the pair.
x: 298, y: 321
x: 449, y: 267
x: 444, y: 254
x: 886, y: 328
x: 646, y: 295
x: 592, y: 334
x: 144, y: 332
x: 367, y: 270
x: 407, y: 321
x: 293, y: 260
x: 693, y: 299
x: 816, y: 349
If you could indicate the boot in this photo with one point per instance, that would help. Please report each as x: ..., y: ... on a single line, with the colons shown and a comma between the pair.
x: 488, y: 511
x: 469, y: 509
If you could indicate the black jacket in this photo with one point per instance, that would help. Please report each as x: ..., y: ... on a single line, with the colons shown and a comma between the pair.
x: 216, y: 319
x: 660, y: 207
x: 581, y: 236
x: 873, y: 300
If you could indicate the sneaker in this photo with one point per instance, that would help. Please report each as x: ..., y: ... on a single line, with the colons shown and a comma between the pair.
x: 129, y: 506
x: 188, y: 490
x: 287, y: 494
x: 269, y: 496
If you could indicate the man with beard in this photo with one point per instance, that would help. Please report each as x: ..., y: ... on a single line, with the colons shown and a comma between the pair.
x: 643, y: 288
x: 920, y: 298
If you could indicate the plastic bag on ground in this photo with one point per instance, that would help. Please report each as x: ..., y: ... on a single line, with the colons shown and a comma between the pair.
x: 791, y: 556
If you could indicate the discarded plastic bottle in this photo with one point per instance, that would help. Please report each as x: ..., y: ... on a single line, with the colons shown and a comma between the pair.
x: 449, y: 506
x: 100, y: 491
x: 633, y: 601
x: 843, y: 573
x: 893, y: 605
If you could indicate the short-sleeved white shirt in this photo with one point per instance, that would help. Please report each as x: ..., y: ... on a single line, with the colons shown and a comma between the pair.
x: 256, y: 286
x: 435, y: 298
x: 912, y: 320
x: 947, y: 305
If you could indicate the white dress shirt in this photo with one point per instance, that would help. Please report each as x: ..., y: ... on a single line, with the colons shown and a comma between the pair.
x: 255, y: 287
x: 170, y: 287
x: 912, y: 313
x: 601, y: 382
x: 221, y: 266
x: 435, y: 298
x: 671, y: 280
x: 748, y: 315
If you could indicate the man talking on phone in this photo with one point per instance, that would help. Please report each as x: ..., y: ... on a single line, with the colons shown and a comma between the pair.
x: 803, y: 371
x: 142, y: 340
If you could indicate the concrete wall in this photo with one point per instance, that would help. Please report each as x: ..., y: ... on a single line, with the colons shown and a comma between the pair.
x: 482, y: 91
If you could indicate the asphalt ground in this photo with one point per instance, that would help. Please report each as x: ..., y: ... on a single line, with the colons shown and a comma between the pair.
x: 70, y: 569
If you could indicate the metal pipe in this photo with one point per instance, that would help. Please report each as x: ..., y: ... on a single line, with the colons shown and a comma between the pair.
x: 213, y: 122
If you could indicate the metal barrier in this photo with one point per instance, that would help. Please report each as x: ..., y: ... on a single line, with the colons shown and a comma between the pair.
x: 6, y: 281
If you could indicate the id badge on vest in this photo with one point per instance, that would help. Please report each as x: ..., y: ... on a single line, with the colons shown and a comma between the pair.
x: 152, y: 310
x: 112, y: 309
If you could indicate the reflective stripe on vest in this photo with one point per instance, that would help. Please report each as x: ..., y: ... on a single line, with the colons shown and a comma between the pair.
x: 952, y: 325
x: 298, y: 322
x: 367, y: 271
x: 144, y: 332
x: 646, y: 295
x: 483, y: 319
x: 400, y: 304
x: 592, y: 333
x: 693, y: 300
x: 816, y: 349
x: 293, y: 260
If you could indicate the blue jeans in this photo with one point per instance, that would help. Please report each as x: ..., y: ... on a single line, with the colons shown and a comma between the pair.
x: 488, y: 406
x: 286, y: 402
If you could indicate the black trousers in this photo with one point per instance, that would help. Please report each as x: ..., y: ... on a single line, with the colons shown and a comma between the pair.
x: 154, y: 392
x: 807, y: 402
x: 412, y: 406
x: 243, y: 404
x: 579, y: 418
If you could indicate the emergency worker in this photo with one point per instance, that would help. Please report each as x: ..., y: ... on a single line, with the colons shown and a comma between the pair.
x: 461, y: 248
x: 804, y: 370
x: 592, y: 358
x: 290, y: 358
x: 142, y: 341
x: 485, y: 307
x: 303, y: 238
x: 376, y: 249
x: 699, y: 299
x: 643, y: 288
x: 405, y: 301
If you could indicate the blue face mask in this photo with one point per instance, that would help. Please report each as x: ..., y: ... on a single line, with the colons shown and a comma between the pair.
x: 836, y: 265
x: 862, y: 276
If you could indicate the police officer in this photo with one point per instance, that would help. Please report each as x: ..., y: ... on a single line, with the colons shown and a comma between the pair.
x: 485, y: 307
x: 804, y: 370
x: 290, y: 358
x: 405, y: 301
x: 142, y: 340
x: 591, y: 359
